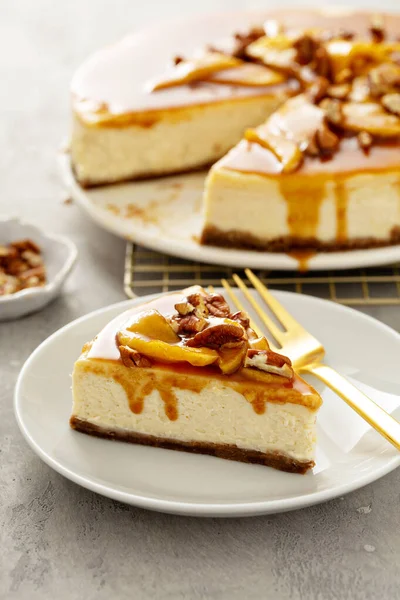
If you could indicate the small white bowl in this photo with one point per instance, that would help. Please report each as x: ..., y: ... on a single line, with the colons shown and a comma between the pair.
x: 59, y: 255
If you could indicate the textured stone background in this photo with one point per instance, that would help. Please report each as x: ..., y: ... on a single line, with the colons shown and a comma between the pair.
x: 60, y: 541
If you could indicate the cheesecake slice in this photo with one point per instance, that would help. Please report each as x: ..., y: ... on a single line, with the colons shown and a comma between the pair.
x: 267, y: 194
x: 185, y: 372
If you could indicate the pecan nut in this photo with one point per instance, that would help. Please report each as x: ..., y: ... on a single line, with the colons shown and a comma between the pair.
x: 364, y: 139
x: 333, y: 110
x: 217, y: 336
x: 198, y: 301
x: 383, y: 79
x: 242, y: 40
x: 184, y: 308
x: 377, y: 29
x: 269, y: 361
x: 322, y: 63
x: 241, y: 317
x: 217, y: 305
x: 132, y: 358
x: 391, y: 102
x: 327, y: 141
x: 306, y: 47
x: 189, y: 325
x: 21, y: 266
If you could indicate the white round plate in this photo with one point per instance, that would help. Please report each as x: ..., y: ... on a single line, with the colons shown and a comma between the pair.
x: 349, y: 453
x: 165, y: 215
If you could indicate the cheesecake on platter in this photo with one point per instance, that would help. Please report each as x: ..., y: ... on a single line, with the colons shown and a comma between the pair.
x: 185, y: 372
x: 298, y: 112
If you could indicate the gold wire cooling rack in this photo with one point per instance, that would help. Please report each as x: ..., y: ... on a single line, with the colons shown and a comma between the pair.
x: 148, y: 272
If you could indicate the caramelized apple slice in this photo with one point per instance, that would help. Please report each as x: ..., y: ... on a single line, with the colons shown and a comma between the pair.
x: 357, y: 55
x: 297, y: 119
x: 248, y: 75
x: 277, y: 52
x: 167, y: 353
x: 370, y: 117
x: 152, y: 324
x: 259, y: 344
x: 196, y: 69
x: 232, y: 359
x: 285, y: 150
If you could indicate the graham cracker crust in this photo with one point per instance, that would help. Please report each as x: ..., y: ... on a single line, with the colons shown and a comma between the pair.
x: 230, y: 452
x: 214, y: 236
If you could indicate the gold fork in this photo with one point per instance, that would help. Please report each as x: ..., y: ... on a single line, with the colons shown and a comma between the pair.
x: 307, y: 354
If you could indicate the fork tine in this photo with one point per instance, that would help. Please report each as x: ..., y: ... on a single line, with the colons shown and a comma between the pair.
x: 278, y: 335
x: 239, y: 305
x: 281, y: 313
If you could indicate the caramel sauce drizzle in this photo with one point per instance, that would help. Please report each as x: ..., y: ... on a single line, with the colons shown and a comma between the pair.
x: 303, y: 257
x: 341, y: 197
x: 303, y: 199
x: 166, y: 384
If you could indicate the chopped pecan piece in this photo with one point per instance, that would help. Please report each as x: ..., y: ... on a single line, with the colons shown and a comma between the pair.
x: 209, y: 304
x: 32, y: 258
x: 322, y: 62
x: 311, y: 149
x: 190, y: 325
x: 377, y: 29
x: 391, y: 102
x: 327, y: 141
x: 306, y: 47
x: 365, y: 140
x: 242, y: 40
x: 323, y: 143
x: 178, y: 59
x: 241, y: 317
x: 21, y: 266
x: 38, y: 272
x: 8, y: 284
x: 333, y: 110
x: 383, y: 79
x: 132, y: 358
x: 217, y: 305
x: 217, y: 336
x: 271, y: 362
x: 184, y: 308
x: 23, y: 245
x: 198, y: 300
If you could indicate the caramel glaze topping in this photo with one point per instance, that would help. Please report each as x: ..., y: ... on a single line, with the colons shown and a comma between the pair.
x: 141, y: 378
x: 113, y: 82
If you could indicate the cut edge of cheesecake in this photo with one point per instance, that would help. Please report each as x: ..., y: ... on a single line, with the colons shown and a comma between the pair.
x: 249, y: 415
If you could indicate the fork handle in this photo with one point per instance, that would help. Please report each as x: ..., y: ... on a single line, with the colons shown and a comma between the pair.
x: 378, y: 418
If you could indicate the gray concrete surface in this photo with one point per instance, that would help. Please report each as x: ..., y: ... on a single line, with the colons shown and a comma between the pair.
x: 58, y: 541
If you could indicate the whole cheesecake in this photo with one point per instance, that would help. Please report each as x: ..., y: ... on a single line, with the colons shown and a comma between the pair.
x: 309, y: 99
x: 185, y: 372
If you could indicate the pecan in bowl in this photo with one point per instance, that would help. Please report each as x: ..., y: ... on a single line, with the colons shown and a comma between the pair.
x: 29, y: 278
